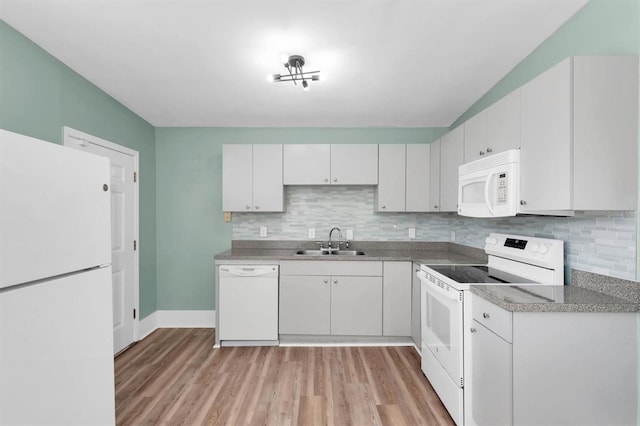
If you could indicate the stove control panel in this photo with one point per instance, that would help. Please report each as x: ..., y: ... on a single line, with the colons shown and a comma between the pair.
x: 543, y: 252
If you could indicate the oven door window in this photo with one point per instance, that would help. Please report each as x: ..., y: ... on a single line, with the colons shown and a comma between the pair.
x: 442, y: 327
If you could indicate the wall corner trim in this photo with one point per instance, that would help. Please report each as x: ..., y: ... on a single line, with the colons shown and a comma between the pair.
x: 176, y: 319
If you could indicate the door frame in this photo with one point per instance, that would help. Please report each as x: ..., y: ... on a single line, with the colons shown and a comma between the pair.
x: 71, y: 133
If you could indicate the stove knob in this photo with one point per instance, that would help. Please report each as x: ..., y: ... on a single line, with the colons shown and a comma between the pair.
x: 543, y: 249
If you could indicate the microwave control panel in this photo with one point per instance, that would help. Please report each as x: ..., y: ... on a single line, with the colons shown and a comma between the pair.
x: 502, y: 188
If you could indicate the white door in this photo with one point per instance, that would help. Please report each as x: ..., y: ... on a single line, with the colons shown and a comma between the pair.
x: 123, y: 244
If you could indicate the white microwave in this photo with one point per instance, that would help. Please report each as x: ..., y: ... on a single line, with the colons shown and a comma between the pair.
x: 490, y: 187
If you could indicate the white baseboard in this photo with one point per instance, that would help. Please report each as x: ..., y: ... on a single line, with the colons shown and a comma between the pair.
x: 175, y: 319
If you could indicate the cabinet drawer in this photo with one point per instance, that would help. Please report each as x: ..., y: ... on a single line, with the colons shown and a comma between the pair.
x: 493, y: 317
x: 322, y: 267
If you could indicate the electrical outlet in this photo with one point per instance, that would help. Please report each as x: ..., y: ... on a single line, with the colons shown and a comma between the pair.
x: 349, y: 234
x: 227, y: 216
x: 263, y: 231
x: 412, y: 232
x: 312, y: 233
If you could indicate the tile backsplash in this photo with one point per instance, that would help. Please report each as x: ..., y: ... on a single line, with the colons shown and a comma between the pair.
x: 595, y: 241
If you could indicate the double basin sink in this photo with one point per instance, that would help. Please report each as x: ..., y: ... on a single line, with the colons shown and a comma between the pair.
x: 330, y: 252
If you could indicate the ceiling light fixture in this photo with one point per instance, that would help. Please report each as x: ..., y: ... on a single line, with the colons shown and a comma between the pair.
x: 294, y: 64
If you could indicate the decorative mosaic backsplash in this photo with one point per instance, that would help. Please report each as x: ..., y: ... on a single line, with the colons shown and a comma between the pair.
x: 600, y: 242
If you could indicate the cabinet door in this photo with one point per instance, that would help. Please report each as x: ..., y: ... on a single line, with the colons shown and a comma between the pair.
x: 545, y: 157
x: 267, y: 178
x: 418, y: 178
x: 354, y: 164
x: 396, y: 299
x: 356, y: 306
x: 390, y: 194
x: 237, y: 178
x: 451, y: 157
x: 490, y: 401
x: 304, y: 305
x: 503, y: 124
x: 416, y: 332
x: 605, y: 138
x: 475, y: 137
x: 307, y: 164
x: 434, y: 176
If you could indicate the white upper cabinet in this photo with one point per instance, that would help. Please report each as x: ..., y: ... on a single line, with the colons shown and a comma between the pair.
x: 390, y: 194
x: 343, y: 164
x: 307, y: 164
x: 434, y: 176
x: 503, y: 124
x: 580, y: 136
x: 403, y: 178
x: 252, y: 178
x: 418, y: 178
x: 493, y: 130
x: 354, y: 164
x: 451, y: 157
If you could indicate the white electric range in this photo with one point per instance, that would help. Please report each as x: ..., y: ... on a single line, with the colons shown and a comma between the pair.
x: 512, y: 260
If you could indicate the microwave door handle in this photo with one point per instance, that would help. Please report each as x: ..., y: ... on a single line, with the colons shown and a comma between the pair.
x: 486, y: 193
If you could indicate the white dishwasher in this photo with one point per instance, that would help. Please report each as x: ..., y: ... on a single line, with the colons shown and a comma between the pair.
x: 248, y: 305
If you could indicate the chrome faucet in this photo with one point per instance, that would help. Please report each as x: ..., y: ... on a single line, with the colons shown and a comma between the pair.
x: 331, y: 232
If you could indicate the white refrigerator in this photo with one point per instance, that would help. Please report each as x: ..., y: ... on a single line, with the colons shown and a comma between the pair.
x: 56, y: 327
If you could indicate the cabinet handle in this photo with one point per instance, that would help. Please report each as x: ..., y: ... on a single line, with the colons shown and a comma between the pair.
x: 481, y: 153
x: 257, y: 207
x: 335, y: 281
x: 384, y: 207
x: 489, y: 150
x: 523, y: 203
x: 248, y: 207
x: 485, y: 315
x: 326, y: 281
x: 473, y: 330
x: 335, y: 179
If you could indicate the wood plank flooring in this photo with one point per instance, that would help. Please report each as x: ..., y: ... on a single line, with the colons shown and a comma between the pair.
x: 175, y: 377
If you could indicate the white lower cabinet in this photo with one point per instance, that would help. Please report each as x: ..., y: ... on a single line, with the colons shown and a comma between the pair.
x: 568, y: 368
x: 331, y: 298
x: 416, y: 330
x: 396, y: 305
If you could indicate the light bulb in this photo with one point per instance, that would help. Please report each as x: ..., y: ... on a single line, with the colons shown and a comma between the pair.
x: 273, y: 77
x: 316, y: 77
x: 284, y: 59
x: 305, y: 86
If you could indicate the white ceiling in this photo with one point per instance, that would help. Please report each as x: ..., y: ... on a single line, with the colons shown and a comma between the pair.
x: 385, y: 63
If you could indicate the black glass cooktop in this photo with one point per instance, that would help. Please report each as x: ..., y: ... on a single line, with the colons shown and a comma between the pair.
x: 466, y: 274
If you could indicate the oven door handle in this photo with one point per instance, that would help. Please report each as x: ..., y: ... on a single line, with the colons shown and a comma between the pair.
x: 453, y: 295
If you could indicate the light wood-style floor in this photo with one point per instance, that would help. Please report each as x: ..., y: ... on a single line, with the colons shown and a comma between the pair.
x: 174, y: 377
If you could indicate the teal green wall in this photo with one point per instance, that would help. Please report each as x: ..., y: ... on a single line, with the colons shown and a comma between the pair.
x: 189, y: 198
x: 39, y: 95
x: 602, y: 27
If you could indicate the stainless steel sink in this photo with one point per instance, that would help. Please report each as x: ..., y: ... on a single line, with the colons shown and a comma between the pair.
x: 330, y: 253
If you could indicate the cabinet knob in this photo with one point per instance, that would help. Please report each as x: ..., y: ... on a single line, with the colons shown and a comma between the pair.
x: 481, y: 153
x: 523, y: 203
x: 489, y: 150
x: 435, y: 207
x: 384, y: 207
x: 473, y: 330
x: 326, y: 281
x: 335, y: 179
x: 248, y: 207
x: 335, y: 281
x: 485, y: 315
x: 326, y: 179
x: 257, y: 207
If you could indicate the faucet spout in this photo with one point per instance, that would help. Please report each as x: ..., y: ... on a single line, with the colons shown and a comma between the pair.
x: 331, y: 232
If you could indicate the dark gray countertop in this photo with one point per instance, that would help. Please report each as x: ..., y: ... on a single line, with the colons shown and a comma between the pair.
x: 422, y: 252
x: 569, y: 298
